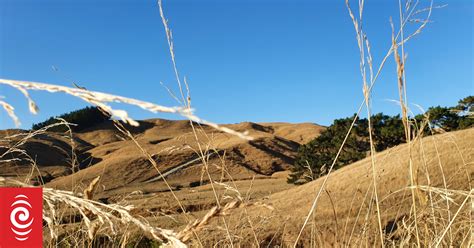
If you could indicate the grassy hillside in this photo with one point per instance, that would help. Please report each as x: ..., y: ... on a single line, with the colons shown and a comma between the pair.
x: 344, y: 214
x: 103, y: 150
x: 270, y: 211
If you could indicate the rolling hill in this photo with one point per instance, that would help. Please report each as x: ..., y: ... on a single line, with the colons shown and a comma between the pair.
x: 255, y: 172
x: 175, y: 148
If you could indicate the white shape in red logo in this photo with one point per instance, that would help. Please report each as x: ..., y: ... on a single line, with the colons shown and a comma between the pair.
x: 20, y: 217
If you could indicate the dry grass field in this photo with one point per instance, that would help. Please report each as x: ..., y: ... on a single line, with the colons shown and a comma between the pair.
x: 157, y: 182
x: 271, y: 211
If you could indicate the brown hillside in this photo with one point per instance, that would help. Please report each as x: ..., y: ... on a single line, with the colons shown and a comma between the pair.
x: 343, y: 207
x: 345, y: 213
x: 104, y: 151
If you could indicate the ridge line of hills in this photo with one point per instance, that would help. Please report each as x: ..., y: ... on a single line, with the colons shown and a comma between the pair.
x: 101, y: 150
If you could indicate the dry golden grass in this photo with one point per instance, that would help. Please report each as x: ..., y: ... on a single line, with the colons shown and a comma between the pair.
x: 416, y: 194
x: 346, y: 214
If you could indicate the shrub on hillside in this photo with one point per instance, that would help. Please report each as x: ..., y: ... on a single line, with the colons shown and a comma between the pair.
x: 314, y: 158
x: 83, y: 118
x: 448, y: 119
x: 465, y: 108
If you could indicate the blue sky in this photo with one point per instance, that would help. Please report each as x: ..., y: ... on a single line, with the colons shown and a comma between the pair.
x: 261, y: 61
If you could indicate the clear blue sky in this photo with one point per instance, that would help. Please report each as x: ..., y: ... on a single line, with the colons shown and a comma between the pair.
x: 293, y: 61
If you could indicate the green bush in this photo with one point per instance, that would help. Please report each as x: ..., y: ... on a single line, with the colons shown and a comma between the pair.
x: 448, y: 119
x: 83, y: 118
x: 314, y: 158
x: 465, y: 110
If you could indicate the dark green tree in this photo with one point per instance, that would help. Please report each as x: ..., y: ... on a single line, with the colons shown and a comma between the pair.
x: 466, y: 112
x: 443, y: 117
x: 316, y: 157
x: 466, y: 104
x: 449, y: 118
x: 83, y: 118
x: 388, y: 131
